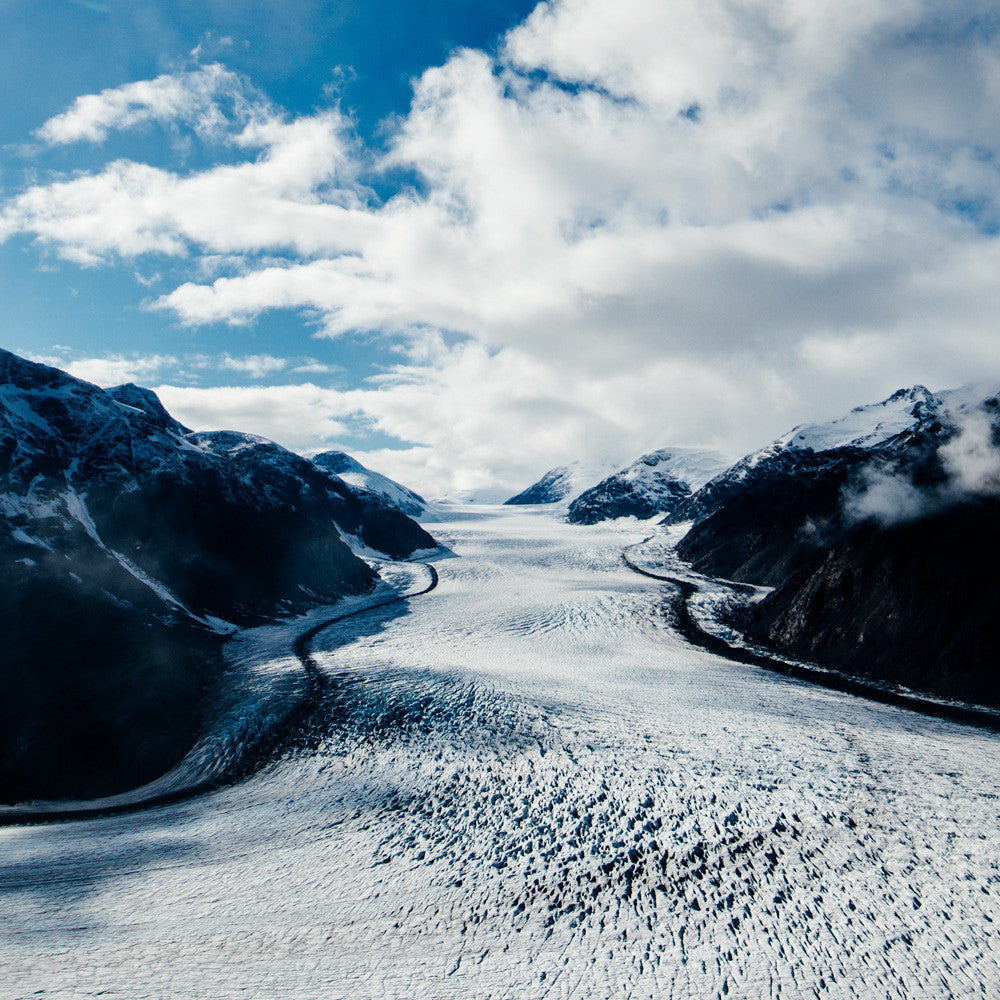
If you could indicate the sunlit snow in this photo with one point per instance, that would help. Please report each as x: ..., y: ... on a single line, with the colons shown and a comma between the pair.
x: 524, y: 784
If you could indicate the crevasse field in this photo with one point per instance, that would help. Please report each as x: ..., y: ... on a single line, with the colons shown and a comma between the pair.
x: 524, y: 784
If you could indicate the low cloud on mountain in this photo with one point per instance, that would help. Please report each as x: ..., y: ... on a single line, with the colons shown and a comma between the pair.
x: 969, y: 464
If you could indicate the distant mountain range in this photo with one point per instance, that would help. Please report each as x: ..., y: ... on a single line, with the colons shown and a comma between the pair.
x: 128, y: 545
x: 878, y: 531
x: 654, y: 484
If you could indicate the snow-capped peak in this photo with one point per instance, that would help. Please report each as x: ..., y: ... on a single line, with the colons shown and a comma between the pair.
x: 352, y: 472
x: 565, y: 483
x: 653, y: 484
x: 145, y: 401
x: 693, y: 466
x: 865, y: 426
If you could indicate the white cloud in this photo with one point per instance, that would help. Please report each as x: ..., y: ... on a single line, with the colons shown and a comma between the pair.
x: 310, y: 366
x: 971, y: 458
x: 271, y: 203
x: 889, y: 498
x: 297, y: 416
x: 116, y: 369
x: 970, y: 462
x: 705, y: 219
x: 189, y: 97
x: 52, y: 360
x: 255, y: 365
x: 469, y: 418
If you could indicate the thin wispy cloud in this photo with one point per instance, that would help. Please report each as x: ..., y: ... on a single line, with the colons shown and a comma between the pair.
x: 257, y: 366
x: 116, y: 368
x: 190, y: 98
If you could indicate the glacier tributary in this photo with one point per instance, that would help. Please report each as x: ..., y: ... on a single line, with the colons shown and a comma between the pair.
x: 524, y: 784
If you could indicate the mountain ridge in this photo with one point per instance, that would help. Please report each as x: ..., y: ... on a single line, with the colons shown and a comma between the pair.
x: 129, y: 547
x: 878, y: 542
x: 357, y: 476
x: 597, y: 491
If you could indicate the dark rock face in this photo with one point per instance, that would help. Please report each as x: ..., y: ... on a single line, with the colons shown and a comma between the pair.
x: 715, y: 494
x: 147, y: 402
x: 907, y: 601
x: 777, y: 518
x: 338, y: 462
x: 380, y: 524
x: 618, y: 496
x: 551, y: 488
x: 120, y: 533
x: 102, y: 691
x: 237, y: 553
x: 915, y: 604
x: 301, y: 488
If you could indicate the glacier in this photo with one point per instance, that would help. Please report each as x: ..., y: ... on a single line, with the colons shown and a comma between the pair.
x: 526, y: 783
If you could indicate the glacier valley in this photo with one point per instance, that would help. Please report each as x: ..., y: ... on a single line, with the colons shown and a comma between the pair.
x: 525, y: 783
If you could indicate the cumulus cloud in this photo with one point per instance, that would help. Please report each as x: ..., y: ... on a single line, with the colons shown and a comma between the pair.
x: 271, y: 203
x: 787, y: 206
x: 296, y: 416
x: 116, y: 369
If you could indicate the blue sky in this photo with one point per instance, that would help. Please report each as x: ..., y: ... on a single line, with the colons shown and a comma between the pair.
x: 302, y: 54
x: 294, y: 49
x: 469, y: 241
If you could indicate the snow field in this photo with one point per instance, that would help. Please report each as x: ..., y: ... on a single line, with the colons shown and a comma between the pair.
x: 524, y: 784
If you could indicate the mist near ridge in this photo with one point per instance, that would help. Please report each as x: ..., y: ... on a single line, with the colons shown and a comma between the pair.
x: 963, y: 467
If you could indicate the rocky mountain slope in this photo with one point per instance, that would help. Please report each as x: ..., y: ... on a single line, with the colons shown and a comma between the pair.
x: 128, y: 546
x: 878, y: 532
x: 913, y: 604
x: 844, y: 442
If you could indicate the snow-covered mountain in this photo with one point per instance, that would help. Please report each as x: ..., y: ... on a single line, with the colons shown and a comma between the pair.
x: 869, y: 425
x: 128, y: 544
x: 114, y: 465
x: 599, y: 490
x: 879, y: 532
x: 551, y: 488
x: 654, y: 484
x: 564, y: 483
x: 358, y: 477
x: 846, y: 441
